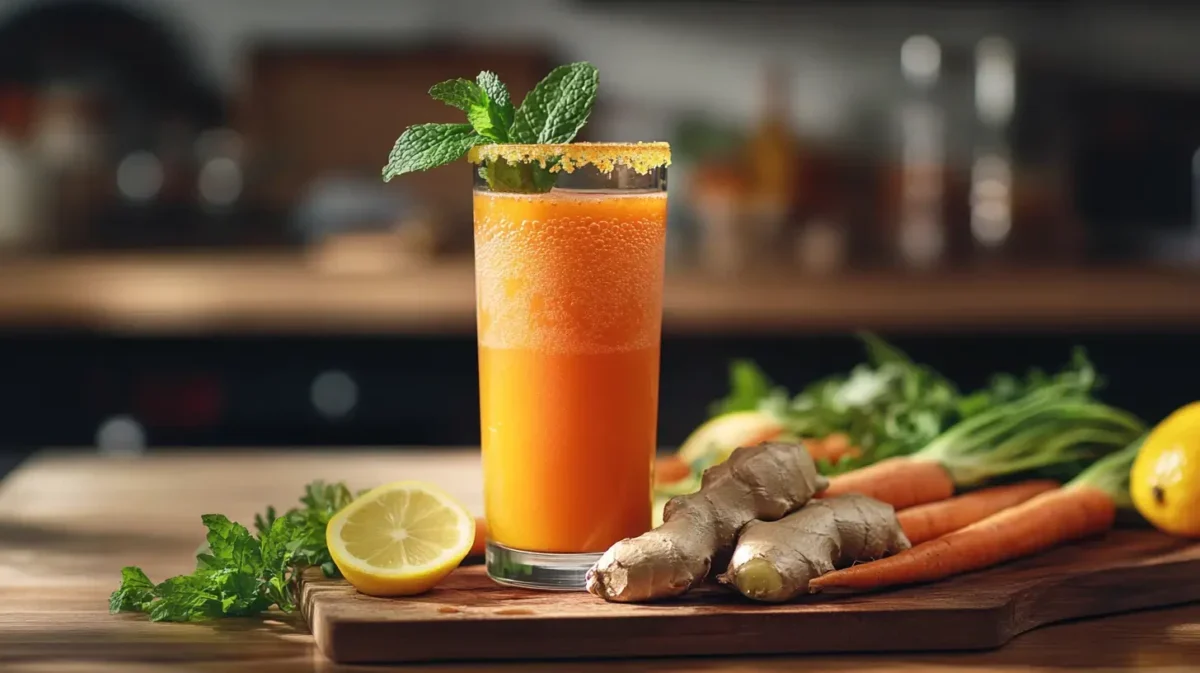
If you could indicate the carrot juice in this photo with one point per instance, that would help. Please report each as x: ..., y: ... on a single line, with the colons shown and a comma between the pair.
x: 569, y: 307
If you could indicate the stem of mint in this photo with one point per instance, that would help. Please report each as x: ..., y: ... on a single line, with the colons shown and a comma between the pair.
x: 518, y: 178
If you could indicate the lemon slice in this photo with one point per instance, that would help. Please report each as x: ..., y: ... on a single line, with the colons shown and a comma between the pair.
x: 399, y: 539
x: 713, y: 441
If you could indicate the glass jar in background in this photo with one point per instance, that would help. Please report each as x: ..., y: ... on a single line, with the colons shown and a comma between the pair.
x: 569, y: 261
x: 21, y: 221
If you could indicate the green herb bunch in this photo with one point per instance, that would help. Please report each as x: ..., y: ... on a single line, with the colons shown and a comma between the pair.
x: 552, y: 113
x: 887, y: 406
x: 238, y: 573
x: 891, y: 406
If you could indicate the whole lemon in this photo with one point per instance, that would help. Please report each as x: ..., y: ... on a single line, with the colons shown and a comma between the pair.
x: 1165, y: 481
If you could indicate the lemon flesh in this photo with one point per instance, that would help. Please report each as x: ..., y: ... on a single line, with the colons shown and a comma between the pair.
x: 400, y: 539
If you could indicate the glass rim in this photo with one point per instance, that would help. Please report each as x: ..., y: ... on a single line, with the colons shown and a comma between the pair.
x: 640, y: 156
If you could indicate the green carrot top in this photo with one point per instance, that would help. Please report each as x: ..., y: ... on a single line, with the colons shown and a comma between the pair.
x: 1111, y: 473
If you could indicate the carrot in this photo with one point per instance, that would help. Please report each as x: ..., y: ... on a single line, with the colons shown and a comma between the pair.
x: 832, y: 447
x: 900, y: 482
x: 478, y: 547
x: 1085, y: 506
x: 670, y: 469
x: 1043, y: 429
x: 933, y: 520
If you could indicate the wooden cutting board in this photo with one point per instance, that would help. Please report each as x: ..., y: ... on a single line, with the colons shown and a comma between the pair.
x: 469, y: 617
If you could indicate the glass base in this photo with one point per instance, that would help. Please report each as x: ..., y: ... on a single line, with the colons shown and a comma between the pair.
x: 538, y: 570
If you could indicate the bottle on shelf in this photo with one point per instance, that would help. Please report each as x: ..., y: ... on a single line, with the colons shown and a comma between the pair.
x: 991, y: 191
x: 20, y: 221
x: 773, y: 163
x: 919, y: 199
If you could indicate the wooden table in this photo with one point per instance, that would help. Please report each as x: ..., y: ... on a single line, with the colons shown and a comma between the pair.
x: 69, y: 521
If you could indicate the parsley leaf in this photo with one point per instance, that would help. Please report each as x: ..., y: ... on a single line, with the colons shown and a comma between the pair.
x: 135, y: 593
x: 280, y: 570
x: 185, y: 598
x: 321, y: 501
x: 231, y: 544
x: 237, y: 573
x: 748, y: 386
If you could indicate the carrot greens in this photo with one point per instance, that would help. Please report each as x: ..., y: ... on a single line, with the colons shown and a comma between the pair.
x: 890, y: 406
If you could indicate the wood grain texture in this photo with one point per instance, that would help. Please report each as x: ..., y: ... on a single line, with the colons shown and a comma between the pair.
x: 69, y: 521
x: 284, y: 293
x: 470, y: 617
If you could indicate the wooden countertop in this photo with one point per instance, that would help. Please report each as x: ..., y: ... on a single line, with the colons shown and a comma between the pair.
x: 70, y: 521
x: 285, y: 293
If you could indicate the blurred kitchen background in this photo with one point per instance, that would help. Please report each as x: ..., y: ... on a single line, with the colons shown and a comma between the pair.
x: 196, y: 247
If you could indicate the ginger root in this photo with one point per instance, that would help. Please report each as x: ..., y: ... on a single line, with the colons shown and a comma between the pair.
x: 774, y: 561
x: 759, y: 482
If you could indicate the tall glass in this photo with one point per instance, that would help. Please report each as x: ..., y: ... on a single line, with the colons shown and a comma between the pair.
x: 569, y: 309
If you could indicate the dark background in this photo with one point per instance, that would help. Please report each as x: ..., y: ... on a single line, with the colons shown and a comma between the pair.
x: 151, y: 132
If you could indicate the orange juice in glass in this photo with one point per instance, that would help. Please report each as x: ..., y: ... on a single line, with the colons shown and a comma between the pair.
x: 569, y: 308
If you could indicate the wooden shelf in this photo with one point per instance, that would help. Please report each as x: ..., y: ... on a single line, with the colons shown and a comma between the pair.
x: 161, y: 294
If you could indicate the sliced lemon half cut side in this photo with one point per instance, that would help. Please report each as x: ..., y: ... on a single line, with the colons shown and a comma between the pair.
x: 400, y: 539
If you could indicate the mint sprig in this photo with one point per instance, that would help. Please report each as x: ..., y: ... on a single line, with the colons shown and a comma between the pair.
x: 553, y: 112
x: 238, y: 573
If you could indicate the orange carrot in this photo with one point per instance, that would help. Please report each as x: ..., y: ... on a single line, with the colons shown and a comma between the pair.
x: 481, y: 533
x: 1085, y: 506
x: 670, y: 469
x: 1046, y: 520
x: 833, y: 447
x: 900, y: 482
x: 1054, y: 425
x: 933, y: 520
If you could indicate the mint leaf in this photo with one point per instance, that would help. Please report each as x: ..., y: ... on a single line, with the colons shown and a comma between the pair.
x: 185, y: 598
x: 558, y: 106
x: 460, y: 93
x: 428, y: 146
x: 497, y: 94
x: 486, y: 117
x: 553, y: 112
x: 135, y: 593
x: 487, y: 123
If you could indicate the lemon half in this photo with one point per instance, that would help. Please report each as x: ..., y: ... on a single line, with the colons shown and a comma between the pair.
x: 1165, y: 480
x: 400, y: 539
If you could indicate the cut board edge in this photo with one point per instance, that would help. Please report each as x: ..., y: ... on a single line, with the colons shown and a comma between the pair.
x: 1063, y: 594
